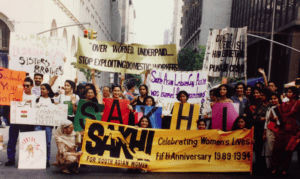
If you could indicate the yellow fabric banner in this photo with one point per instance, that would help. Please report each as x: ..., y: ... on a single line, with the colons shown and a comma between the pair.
x: 185, y: 116
x: 157, y: 150
x: 125, y: 58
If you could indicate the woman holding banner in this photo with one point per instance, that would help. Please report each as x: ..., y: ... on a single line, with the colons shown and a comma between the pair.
x: 145, y: 122
x: 70, y: 97
x: 224, y: 94
x: 66, y: 158
x: 46, y: 99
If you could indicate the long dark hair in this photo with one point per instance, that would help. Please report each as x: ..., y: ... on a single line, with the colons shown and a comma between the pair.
x: 149, y: 122
x: 251, y: 98
x: 149, y: 97
x: 236, y: 126
x: 48, y: 87
x: 229, y: 91
x: 182, y: 92
x: 94, y: 90
x: 146, y: 87
x: 238, y: 84
x: 72, y: 84
x: 295, y: 91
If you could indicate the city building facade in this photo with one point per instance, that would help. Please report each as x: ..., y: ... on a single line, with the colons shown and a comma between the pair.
x: 177, y: 25
x: 104, y: 17
x: 257, y: 15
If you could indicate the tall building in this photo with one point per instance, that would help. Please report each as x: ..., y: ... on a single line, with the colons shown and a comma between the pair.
x: 177, y: 23
x: 199, y: 16
x: 128, y: 16
x: 258, y: 17
x: 34, y: 16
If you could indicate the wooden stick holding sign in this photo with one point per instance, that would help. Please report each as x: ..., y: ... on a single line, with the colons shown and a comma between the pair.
x: 224, y: 115
x: 185, y: 116
x: 116, y: 111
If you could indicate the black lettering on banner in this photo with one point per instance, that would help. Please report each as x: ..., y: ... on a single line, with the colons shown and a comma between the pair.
x: 119, y: 117
x: 84, y: 113
x: 224, y: 119
x: 188, y: 118
x: 149, y: 113
x: 117, y: 143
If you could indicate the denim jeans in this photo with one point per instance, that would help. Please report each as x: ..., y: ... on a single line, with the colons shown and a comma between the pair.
x: 13, y: 135
x: 48, y: 130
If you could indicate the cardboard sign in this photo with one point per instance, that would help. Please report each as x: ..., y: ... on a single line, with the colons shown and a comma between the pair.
x: 185, y: 116
x: 154, y: 114
x: 11, y: 85
x: 224, y: 115
x: 87, y: 110
x: 125, y: 58
x: 70, y: 107
x: 116, y: 111
x: 165, y: 85
x: 226, y: 53
x: 25, y: 113
x: 32, y: 150
x: 37, y: 53
x: 159, y: 150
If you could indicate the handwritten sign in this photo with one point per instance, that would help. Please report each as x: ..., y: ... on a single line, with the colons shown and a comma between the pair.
x: 226, y: 53
x: 125, y: 58
x: 165, y: 85
x: 87, y: 110
x: 32, y: 150
x: 11, y: 86
x: 154, y: 114
x: 116, y: 111
x: 224, y: 115
x: 185, y: 116
x: 24, y: 113
x: 37, y: 54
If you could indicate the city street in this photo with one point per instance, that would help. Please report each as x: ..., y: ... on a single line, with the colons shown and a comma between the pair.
x: 108, y: 172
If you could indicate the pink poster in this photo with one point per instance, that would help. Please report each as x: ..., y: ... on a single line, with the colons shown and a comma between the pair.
x: 224, y: 115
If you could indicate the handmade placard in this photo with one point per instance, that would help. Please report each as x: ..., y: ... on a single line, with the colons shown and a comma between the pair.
x: 11, y: 85
x: 224, y: 115
x: 87, y: 110
x: 165, y: 85
x: 185, y: 116
x: 25, y: 113
x: 32, y: 150
x: 37, y: 53
x: 154, y: 114
x: 116, y: 111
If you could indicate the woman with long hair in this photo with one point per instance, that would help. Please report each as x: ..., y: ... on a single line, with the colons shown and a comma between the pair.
x: 145, y: 122
x: 240, y: 123
x: 138, y: 100
x: 224, y: 94
x: 287, y: 129
x: 69, y: 96
x: 248, y: 91
x: 149, y: 101
x: 46, y: 100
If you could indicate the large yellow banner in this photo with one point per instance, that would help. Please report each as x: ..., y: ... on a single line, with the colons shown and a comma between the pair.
x: 125, y: 58
x: 157, y: 150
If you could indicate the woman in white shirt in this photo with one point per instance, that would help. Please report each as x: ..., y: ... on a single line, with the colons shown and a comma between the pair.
x: 68, y: 97
x: 46, y: 100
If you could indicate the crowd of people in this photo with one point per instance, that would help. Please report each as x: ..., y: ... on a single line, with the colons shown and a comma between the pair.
x: 276, y: 130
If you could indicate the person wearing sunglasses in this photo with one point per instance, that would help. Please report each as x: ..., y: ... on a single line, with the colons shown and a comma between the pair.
x: 14, y: 129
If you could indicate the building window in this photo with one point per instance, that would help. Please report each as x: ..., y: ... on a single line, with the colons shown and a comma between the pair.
x: 4, y: 36
x: 65, y: 36
x: 53, y: 33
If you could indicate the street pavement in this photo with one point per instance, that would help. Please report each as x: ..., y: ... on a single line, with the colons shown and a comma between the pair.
x: 117, y: 173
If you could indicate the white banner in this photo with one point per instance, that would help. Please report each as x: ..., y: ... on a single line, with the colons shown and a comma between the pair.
x: 32, y: 150
x: 226, y: 53
x: 165, y: 85
x: 24, y: 113
x: 37, y: 54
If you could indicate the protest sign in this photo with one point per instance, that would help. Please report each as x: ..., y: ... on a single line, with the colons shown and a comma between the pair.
x: 24, y: 113
x: 226, y: 53
x: 224, y: 115
x: 165, y: 85
x: 37, y: 53
x: 158, y: 150
x: 185, y: 116
x: 125, y: 58
x: 116, y: 111
x: 154, y: 114
x: 87, y: 110
x: 70, y: 107
x: 32, y: 150
x: 11, y: 85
